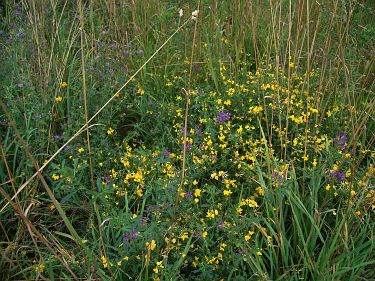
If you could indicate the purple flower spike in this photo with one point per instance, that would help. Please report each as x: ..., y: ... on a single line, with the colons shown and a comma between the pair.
x: 341, y: 140
x: 223, y: 117
x: 337, y: 175
x: 340, y: 176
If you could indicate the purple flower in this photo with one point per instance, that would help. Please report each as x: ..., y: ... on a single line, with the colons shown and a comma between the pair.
x: 106, y: 179
x: 341, y: 140
x: 337, y: 175
x: 223, y: 117
x: 199, y: 132
x: 59, y: 136
x: 182, y: 129
x: 3, y: 122
x: 188, y: 195
x: 130, y: 235
x: 197, y: 234
x: 100, y: 44
x: 113, y: 46
x: 165, y: 153
x: 240, y: 251
x: 219, y: 222
x: 110, y: 72
x: 126, y: 237
x: 340, y: 176
x: 189, y: 146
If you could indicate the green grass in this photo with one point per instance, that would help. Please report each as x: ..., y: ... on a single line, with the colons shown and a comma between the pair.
x: 242, y: 148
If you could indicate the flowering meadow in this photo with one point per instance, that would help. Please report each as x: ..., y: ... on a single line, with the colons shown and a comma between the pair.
x: 198, y: 140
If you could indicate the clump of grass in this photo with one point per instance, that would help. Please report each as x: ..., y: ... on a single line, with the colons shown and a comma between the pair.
x: 271, y: 162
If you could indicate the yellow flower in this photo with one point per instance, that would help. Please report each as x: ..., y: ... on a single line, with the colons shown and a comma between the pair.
x: 139, y: 192
x: 260, y: 191
x: 63, y: 85
x: 248, y: 236
x: 140, y: 92
x: 81, y: 150
x: 160, y: 264
x: 151, y: 246
x: 197, y: 192
x: 227, y: 192
x: 184, y: 236
x: 212, y: 213
x: 55, y: 177
x: 204, y: 234
x: 58, y: 98
x: 40, y: 268
x: 110, y: 131
x: 138, y: 176
x: 104, y: 262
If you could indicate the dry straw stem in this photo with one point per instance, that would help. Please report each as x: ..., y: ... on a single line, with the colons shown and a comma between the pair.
x: 85, y: 92
x: 187, y: 94
x: 34, y: 231
x: 84, y: 127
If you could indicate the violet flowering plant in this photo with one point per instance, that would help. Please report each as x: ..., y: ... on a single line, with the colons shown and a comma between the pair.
x: 222, y: 117
x: 341, y: 140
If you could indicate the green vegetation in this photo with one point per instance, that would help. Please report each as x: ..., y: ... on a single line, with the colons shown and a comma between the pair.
x: 139, y: 142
